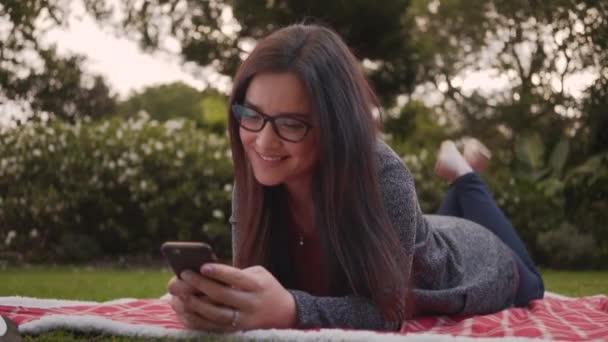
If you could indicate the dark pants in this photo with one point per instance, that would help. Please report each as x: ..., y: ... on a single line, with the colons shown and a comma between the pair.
x: 468, y: 197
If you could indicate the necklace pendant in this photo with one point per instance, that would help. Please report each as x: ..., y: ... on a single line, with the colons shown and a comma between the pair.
x: 301, y: 240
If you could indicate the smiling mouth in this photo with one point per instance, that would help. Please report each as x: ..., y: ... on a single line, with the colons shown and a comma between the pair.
x: 271, y: 158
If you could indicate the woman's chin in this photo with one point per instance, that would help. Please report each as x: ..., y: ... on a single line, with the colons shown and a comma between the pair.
x: 266, y: 181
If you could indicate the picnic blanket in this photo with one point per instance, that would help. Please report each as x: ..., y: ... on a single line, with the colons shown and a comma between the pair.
x: 555, y: 318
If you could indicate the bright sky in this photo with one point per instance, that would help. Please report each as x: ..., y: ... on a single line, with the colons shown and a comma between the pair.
x: 124, y: 65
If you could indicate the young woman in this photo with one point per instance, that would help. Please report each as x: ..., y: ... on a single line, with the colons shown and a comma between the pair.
x: 327, y: 229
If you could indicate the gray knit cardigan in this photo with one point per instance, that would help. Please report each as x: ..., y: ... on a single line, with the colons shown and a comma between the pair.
x: 458, y: 267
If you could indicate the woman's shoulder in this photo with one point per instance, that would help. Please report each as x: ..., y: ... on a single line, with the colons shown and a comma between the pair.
x: 387, y: 159
x: 384, y: 152
x: 393, y: 175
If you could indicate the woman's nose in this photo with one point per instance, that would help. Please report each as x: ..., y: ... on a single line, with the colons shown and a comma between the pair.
x: 267, y: 137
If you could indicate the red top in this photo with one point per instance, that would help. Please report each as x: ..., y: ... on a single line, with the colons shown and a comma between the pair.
x: 309, y: 271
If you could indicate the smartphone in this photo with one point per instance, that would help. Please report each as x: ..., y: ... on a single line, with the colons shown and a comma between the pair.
x: 187, y: 255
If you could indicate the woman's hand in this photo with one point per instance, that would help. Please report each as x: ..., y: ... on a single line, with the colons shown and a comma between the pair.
x: 233, y: 299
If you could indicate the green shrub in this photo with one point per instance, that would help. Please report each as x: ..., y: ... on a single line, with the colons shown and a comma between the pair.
x: 72, y: 192
x: 567, y: 247
x: 586, y: 192
x: 114, y: 188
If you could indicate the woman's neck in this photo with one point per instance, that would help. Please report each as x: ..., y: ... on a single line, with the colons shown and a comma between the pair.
x: 300, y: 205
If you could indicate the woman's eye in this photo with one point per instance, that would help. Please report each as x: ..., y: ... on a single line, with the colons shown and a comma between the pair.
x: 250, y: 115
x: 292, y: 125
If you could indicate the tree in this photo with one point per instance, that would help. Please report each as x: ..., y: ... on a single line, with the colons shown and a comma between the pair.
x: 178, y: 100
x: 595, y: 129
x: 209, y: 37
x: 164, y: 102
x: 534, y: 46
x: 35, y: 76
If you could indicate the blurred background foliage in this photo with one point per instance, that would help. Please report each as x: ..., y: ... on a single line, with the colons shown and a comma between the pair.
x: 112, y: 188
x: 542, y: 110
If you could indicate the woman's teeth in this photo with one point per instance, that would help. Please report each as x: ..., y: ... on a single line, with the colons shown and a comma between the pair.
x: 270, y: 158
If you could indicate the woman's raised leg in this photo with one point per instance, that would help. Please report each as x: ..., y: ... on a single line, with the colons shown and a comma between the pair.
x: 468, y: 197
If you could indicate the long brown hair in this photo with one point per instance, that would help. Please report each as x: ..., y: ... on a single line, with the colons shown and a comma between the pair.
x: 358, y: 241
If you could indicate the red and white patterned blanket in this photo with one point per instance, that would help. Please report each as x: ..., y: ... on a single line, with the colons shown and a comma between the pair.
x: 555, y: 318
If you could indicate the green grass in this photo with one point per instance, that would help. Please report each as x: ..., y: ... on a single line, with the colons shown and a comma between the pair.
x: 576, y: 283
x: 84, y: 283
x: 101, y: 284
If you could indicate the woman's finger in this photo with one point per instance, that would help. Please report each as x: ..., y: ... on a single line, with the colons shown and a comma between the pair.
x: 180, y: 288
x: 219, y: 293
x: 177, y: 305
x: 218, y: 314
x: 231, y: 276
x: 193, y: 320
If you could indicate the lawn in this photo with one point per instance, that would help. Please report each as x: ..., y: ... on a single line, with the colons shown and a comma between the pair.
x: 102, y: 284
x: 576, y: 283
x: 84, y: 283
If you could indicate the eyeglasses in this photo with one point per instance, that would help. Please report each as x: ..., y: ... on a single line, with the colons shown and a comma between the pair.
x: 285, y: 126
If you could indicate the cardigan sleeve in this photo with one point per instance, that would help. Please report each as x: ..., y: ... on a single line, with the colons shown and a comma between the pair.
x: 355, y: 312
x: 351, y: 312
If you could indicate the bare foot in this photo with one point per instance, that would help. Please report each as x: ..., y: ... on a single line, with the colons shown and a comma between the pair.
x: 476, y: 154
x: 450, y: 163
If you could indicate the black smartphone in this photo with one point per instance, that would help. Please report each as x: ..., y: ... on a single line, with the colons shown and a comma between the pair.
x: 183, y: 256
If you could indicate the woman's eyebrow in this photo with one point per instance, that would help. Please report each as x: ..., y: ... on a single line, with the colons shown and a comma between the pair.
x: 259, y: 110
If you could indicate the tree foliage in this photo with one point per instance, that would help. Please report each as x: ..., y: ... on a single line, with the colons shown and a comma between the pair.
x: 178, y: 100
x: 595, y: 128
x: 210, y: 36
x: 34, y: 76
x: 533, y: 47
x: 164, y: 102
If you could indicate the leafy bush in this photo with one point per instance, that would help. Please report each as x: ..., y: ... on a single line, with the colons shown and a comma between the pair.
x: 586, y: 192
x: 112, y: 188
x: 72, y: 192
x: 566, y: 247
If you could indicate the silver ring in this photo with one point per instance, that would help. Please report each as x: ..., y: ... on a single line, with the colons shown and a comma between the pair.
x: 235, y: 318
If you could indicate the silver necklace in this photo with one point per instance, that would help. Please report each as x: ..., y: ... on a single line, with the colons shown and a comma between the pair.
x: 301, y: 239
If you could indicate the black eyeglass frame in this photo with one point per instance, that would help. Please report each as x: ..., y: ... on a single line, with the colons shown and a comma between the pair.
x: 272, y: 120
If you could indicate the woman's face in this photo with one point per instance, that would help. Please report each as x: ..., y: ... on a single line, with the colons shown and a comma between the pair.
x: 274, y: 160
